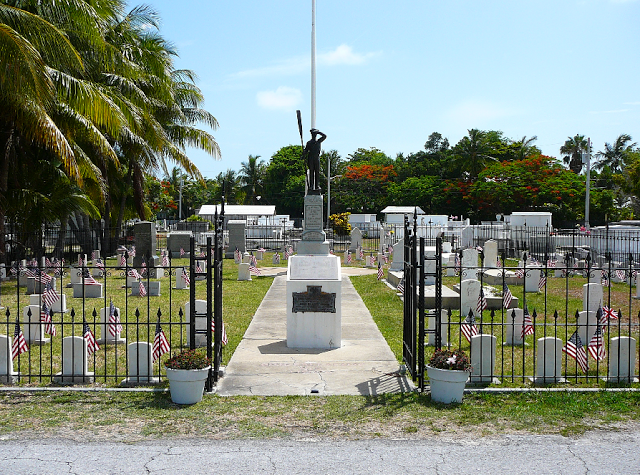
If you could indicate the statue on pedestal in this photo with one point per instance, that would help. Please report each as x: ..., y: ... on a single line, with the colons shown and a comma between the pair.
x: 312, y: 156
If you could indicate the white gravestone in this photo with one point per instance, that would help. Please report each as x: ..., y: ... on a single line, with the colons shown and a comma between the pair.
x: 106, y: 336
x: 259, y: 254
x: 586, y: 325
x: 430, y: 270
x: 33, y: 328
x: 549, y: 364
x: 201, y: 322
x: 466, y: 237
x: 592, y: 295
x: 181, y: 282
x: 243, y: 271
x: 59, y: 306
x: 514, y: 322
x: 356, y: 240
x: 7, y: 373
x: 622, y: 359
x: 75, y: 361
x: 469, y: 294
x: 531, y: 280
x: 444, y: 328
x: 491, y: 254
x: 246, y: 258
x: 140, y: 364
x: 87, y: 291
x: 595, y: 276
x: 446, y: 247
x: 451, y: 265
x: 371, y: 261
x: 483, y: 358
x: 397, y: 264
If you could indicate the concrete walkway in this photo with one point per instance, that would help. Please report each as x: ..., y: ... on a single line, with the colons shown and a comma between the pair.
x: 263, y: 365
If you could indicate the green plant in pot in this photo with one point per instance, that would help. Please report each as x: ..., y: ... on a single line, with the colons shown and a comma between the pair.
x: 187, y: 372
x: 448, y: 372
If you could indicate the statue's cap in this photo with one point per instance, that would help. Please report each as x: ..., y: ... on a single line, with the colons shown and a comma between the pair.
x: 314, y: 131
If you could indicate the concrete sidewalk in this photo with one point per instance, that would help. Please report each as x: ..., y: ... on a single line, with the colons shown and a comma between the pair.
x: 263, y: 365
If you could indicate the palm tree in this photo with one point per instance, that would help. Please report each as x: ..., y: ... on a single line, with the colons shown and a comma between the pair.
x: 526, y: 147
x: 252, y: 178
x: 572, y: 151
x: 474, y: 152
x: 615, y: 155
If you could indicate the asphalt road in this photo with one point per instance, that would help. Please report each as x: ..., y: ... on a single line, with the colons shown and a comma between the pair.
x: 595, y: 453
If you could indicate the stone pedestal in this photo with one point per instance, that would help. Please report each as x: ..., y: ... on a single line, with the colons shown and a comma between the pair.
x: 314, y: 240
x: 145, y: 233
x: 314, y: 302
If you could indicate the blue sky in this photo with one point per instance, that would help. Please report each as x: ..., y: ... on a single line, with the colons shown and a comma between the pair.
x: 389, y: 73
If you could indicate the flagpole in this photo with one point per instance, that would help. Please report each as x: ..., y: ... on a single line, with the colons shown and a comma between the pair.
x: 313, y: 64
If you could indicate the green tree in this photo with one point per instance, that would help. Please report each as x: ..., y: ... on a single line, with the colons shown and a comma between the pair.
x: 252, y: 178
x: 475, y: 151
x: 284, y: 180
x: 572, y: 151
x: 615, y: 155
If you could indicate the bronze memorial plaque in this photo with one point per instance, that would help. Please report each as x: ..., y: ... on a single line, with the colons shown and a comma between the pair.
x: 314, y: 300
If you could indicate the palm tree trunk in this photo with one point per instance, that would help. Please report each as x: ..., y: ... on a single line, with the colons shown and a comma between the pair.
x: 123, y: 200
x: 7, y: 151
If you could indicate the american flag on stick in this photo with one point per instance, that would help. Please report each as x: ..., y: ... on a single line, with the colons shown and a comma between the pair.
x: 253, y: 266
x: 142, y: 290
x: 100, y: 264
x: 45, y: 317
x: 380, y: 271
x: 160, y: 343
x: 88, y: 279
x: 543, y: 280
x: 527, y: 324
x: 49, y: 296
x: 400, y: 287
x: 361, y: 254
x: 19, y: 344
x: 182, y: 253
x: 608, y: 314
x: 287, y: 254
x: 41, y: 276
x: 123, y: 260
x: 596, y: 345
x: 276, y: 258
x: 115, y: 327
x: 132, y: 252
x: 185, y: 276
x: 224, y: 339
x: 575, y: 349
x: 468, y: 326
x: 507, y: 296
x: 520, y: 273
x: 134, y: 273
x: 348, y: 258
x: 482, y: 301
x: 92, y: 344
x: 165, y: 259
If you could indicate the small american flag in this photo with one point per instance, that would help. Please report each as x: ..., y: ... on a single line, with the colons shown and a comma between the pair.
x: 482, y: 301
x: 92, y: 344
x: 185, y: 276
x: 361, y: 255
x: 115, y: 327
x: 527, y: 324
x: 620, y: 274
x: 49, y: 296
x: 45, y: 317
x: 507, y: 296
x: 93, y: 255
x: 609, y: 314
x: 48, y: 263
x: 182, y: 253
x: 100, y: 264
x: 142, y: 290
x: 385, y: 257
x: 19, y: 344
x: 132, y: 252
x: 380, y: 271
x: 348, y: 257
x: 224, y: 339
x: 42, y: 276
x: 596, y: 345
x: 575, y: 349
x: 198, y: 267
x: 88, y: 279
x: 202, y: 254
x: 144, y: 267
x: 160, y: 343
x: 551, y: 263
x: 237, y: 255
x: 253, y: 265
x: 123, y: 260
x: 276, y: 258
x: 80, y: 261
x: 543, y: 280
x: 400, y: 287
x: 165, y: 259
x: 286, y: 253
x: 520, y: 273
x: 457, y: 263
x: 390, y: 249
x: 468, y: 326
x: 134, y: 273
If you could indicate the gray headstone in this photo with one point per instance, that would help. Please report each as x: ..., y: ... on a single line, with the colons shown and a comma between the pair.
x: 549, y: 364
x: 491, y: 254
x: 177, y: 240
x: 237, y: 237
x: 356, y: 240
x: 145, y: 234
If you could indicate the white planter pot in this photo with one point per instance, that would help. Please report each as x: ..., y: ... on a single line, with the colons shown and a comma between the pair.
x: 447, y: 385
x: 187, y: 385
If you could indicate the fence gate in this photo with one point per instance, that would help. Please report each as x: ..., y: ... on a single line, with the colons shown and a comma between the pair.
x: 409, y: 343
x: 213, y: 256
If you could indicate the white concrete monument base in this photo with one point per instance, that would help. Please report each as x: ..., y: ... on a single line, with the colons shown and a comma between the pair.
x: 317, y: 282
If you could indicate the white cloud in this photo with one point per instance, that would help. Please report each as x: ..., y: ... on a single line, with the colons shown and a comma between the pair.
x: 475, y: 112
x: 283, y: 98
x: 617, y: 111
x: 344, y: 54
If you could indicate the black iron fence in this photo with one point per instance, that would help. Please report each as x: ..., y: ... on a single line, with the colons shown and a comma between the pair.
x: 106, y: 322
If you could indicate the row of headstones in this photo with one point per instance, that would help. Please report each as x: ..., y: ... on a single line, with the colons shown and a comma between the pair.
x: 75, y: 362
x: 622, y: 352
x: 75, y: 352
